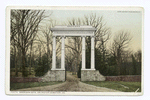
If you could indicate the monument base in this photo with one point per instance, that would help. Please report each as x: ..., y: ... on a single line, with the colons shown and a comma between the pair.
x: 54, y: 75
x: 91, y: 75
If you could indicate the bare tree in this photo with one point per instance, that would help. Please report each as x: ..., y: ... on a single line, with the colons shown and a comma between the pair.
x: 25, y: 27
x: 75, y: 45
x: 120, y: 46
x: 45, y: 39
x: 12, y: 41
x: 102, y: 34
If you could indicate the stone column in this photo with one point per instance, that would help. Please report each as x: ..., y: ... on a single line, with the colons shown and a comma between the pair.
x: 92, y: 54
x: 83, y: 53
x: 54, y: 54
x: 63, y: 53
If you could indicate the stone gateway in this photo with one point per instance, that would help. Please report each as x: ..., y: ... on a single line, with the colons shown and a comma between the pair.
x: 68, y: 31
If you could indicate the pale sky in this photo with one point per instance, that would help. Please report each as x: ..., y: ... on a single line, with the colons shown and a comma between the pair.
x: 128, y: 21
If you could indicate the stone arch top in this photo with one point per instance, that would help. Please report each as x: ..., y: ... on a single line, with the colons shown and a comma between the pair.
x: 73, y: 31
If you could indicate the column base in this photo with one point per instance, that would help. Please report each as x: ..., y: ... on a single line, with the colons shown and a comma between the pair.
x: 54, y: 75
x: 91, y: 75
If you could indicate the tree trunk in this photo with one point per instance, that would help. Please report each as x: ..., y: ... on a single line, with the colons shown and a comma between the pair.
x: 119, y: 60
x: 15, y: 63
x: 19, y: 62
x: 30, y: 60
x: 103, y: 53
x: 23, y: 62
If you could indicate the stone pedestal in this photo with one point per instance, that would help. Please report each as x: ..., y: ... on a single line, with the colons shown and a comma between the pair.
x: 91, y: 75
x: 54, y: 75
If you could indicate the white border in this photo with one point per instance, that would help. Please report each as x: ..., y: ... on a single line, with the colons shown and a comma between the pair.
x: 7, y: 63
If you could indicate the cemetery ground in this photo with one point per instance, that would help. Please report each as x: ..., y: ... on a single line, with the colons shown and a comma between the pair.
x: 73, y: 83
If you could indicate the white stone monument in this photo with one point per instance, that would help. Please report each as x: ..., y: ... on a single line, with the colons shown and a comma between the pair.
x: 69, y: 31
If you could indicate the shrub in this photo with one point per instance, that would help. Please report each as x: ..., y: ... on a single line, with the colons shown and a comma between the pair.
x: 39, y: 71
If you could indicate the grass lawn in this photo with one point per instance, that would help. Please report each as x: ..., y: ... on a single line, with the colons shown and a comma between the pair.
x: 119, y: 85
x: 14, y: 86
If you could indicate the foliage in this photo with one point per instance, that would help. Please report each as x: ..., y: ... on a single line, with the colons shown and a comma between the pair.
x: 43, y: 66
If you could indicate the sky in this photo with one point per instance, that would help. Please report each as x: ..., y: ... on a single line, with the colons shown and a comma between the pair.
x: 116, y: 20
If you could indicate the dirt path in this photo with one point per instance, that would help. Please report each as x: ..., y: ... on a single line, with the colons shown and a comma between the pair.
x: 72, y: 84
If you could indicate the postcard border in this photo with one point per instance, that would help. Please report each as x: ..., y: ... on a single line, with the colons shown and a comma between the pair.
x: 7, y: 49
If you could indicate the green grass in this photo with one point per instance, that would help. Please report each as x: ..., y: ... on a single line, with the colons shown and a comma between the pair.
x: 14, y: 86
x: 118, y: 85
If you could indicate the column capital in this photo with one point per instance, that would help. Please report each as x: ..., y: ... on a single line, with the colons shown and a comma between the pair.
x: 63, y: 36
x: 93, y: 36
x: 83, y: 36
x: 54, y: 36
